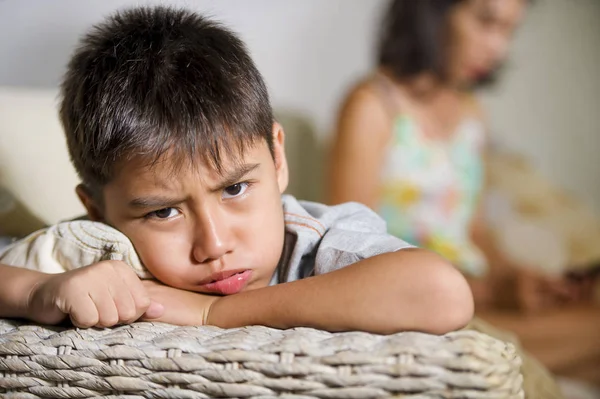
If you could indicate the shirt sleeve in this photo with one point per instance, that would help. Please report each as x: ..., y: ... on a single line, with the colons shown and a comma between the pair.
x: 355, y: 233
x: 71, y: 245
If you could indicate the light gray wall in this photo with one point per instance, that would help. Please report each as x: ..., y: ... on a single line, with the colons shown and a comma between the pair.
x: 309, y: 51
x: 548, y: 105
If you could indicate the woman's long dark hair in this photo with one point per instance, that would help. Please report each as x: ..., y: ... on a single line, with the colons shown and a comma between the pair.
x: 413, y: 37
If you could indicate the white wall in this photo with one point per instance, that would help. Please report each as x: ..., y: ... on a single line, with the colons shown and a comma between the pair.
x: 548, y: 105
x: 310, y: 50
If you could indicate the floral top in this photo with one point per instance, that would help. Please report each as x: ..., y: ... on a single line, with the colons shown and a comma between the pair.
x: 430, y: 189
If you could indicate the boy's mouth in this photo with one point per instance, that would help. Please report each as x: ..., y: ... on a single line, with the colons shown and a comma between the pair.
x: 227, y: 282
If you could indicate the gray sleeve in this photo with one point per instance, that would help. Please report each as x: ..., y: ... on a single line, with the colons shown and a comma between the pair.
x: 355, y: 233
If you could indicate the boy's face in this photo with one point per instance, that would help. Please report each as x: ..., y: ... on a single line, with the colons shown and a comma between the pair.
x: 198, y: 230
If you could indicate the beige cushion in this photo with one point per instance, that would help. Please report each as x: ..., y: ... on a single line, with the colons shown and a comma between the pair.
x: 541, y: 225
x: 34, y: 162
x: 15, y: 219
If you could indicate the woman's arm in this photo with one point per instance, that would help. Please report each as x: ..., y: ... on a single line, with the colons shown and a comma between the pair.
x: 498, y: 287
x: 508, y: 283
x: 362, y: 133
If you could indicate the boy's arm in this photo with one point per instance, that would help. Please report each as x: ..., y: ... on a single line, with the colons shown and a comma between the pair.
x: 411, y: 289
x: 102, y: 294
x: 16, y: 284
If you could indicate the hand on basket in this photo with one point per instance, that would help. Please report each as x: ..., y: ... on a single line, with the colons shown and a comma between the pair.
x: 102, y: 295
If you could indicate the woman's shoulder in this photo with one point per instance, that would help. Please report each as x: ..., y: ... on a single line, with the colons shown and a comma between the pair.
x: 376, y: 91
x: 363, y: 90
x: 364, y: 98
x: 362, y: 111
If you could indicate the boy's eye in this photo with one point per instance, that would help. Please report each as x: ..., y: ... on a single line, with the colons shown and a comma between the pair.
x: 164, y: 213
x: 235, y: 190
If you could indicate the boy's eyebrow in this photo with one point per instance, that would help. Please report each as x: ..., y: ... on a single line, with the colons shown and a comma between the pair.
x: 157, y: 201
x: 235, y: 175
x: 154, y: 201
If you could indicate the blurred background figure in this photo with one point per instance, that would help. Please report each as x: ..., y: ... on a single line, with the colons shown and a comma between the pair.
x: 545, y: 109
x: 412, y: 143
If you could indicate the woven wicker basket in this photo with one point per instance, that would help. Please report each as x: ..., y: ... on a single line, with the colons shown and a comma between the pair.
x: 154, y: 360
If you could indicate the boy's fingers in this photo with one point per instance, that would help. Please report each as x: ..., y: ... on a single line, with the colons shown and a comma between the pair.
x: 108, y: 315
x: 136, y: 289
x: 84, y: 314
x: 124, y: 301
x: 154, y: 311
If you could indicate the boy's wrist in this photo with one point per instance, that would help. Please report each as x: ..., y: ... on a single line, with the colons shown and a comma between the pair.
x: 17, y: 288
x: 254, y: 307
x: 208, y: 315
x: 26, y: 305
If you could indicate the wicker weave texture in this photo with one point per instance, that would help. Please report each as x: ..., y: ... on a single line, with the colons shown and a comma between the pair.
x: 155, y: 360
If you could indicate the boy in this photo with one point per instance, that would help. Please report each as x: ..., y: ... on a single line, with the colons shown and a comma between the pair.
x: 169, y: 125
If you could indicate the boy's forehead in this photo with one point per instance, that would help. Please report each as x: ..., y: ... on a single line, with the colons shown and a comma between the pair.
x: 170, y: 168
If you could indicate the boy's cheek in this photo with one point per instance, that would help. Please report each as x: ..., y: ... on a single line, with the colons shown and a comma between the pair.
x: 170, y: 272
x: 270, y: 255
x: 159, y: 257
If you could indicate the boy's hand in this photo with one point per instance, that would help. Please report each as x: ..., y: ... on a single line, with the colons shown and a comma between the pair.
x: 180, y: 307
x: 103, y: 294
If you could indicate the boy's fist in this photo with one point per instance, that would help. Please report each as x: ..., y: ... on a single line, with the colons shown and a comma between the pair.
x: 103, y: 295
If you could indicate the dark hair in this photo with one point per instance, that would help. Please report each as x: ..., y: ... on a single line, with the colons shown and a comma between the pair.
x: 156, y: 80
x: 412, y: 37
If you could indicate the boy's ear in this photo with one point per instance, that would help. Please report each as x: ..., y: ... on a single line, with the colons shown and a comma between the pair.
x: 281, y: 166
x: 86, y: 198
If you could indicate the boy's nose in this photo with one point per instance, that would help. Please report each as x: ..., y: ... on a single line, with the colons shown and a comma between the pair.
x: 213, y: 239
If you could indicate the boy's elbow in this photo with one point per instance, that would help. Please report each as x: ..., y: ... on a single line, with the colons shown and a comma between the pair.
x: 453, y: 298
x: 445, y: 295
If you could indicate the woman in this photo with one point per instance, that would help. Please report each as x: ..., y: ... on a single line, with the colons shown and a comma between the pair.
x: 410, y: 143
